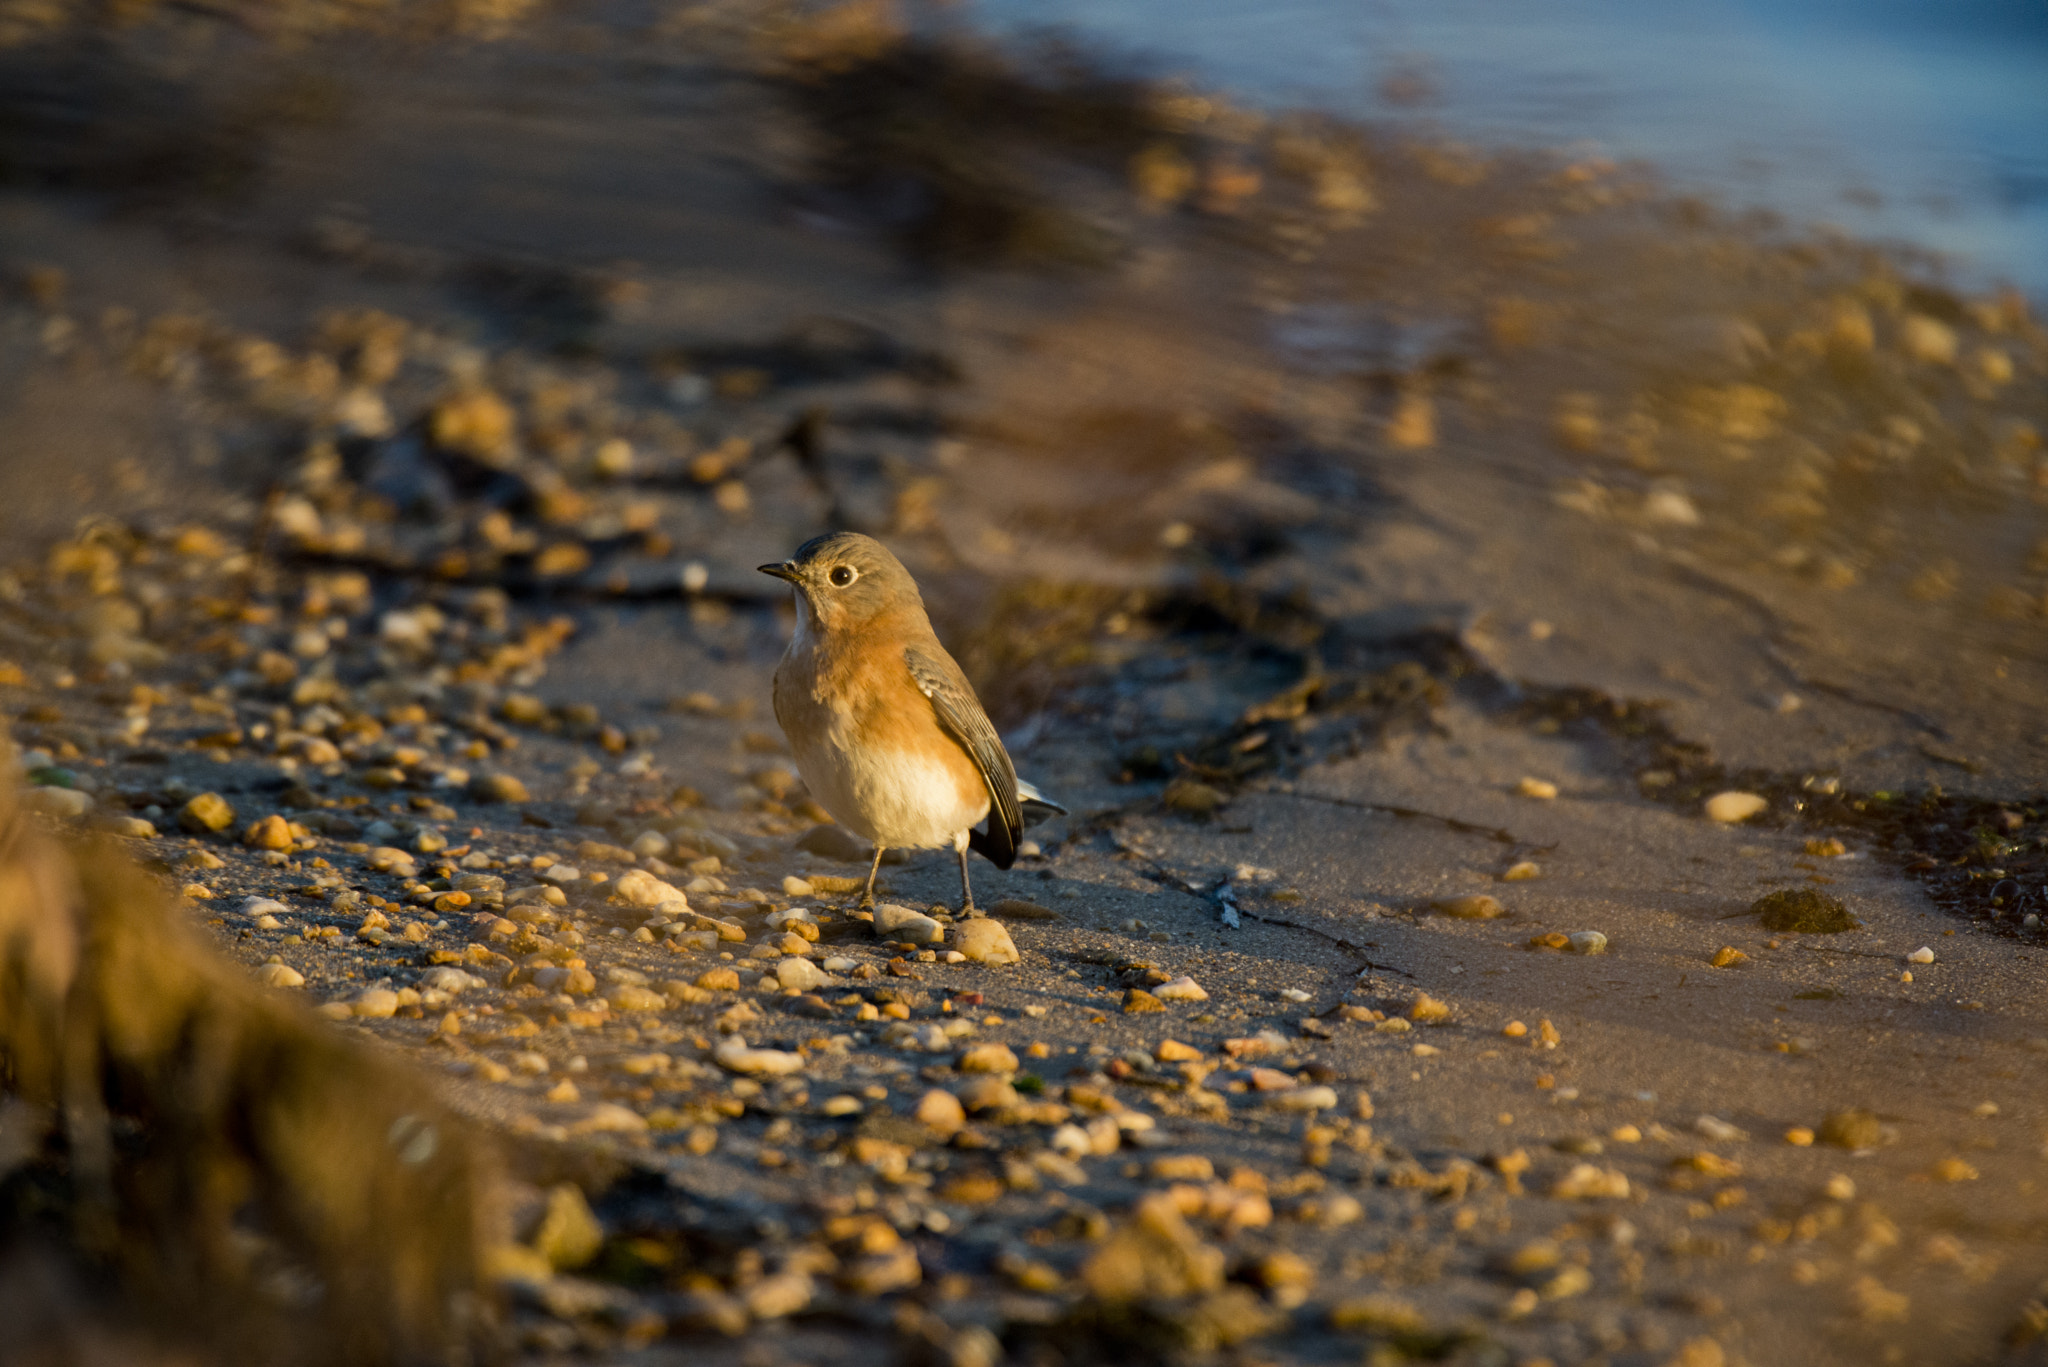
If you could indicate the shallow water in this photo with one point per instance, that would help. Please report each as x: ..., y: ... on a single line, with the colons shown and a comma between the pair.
x: 1905, y: 121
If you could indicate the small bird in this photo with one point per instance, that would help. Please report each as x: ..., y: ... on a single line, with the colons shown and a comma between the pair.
x: 886, y: 730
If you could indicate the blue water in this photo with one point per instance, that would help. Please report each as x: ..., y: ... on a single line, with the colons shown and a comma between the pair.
x: 1904, y: 120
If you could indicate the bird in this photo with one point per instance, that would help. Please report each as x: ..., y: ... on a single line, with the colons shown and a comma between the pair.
x: 885, y: 728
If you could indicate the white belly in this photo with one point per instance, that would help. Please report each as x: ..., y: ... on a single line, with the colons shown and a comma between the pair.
x: 895, y: 798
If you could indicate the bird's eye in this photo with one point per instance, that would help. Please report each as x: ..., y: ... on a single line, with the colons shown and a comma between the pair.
x: 841, y: 576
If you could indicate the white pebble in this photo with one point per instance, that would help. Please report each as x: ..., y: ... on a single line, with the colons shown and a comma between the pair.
x: 735, y: 1055
x: 1182, y: 989
x: 1588, y: 942
x: 1731, y: 807
x: 280, y: 975
x: 1922, y: 955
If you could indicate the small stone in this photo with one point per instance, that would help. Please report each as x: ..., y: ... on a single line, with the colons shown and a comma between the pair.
x: 639, y: 888
x: 129, y: 827
x: 1799, y: 1137
x: 1728, y: 956
x: 1306, y: 1099
x: 893, y: 922
x: 778, y: 1296
x: 498, y: 788
x: 1182, y: 989
x: 1543, y: 790
x: 204, y: 813
x: 1522, y: 871
x: 942, y: 1111
x: 734, y: 1055
x: 284, y: 975
x: 1732, y: 807
x: 1720, y: 1131
x: 271, y: 833
x: 1514, y: 1030
x: 568, y: 1235
x: 1476, y: 907
x: 1828, y: 848
x: 1587, y: 942
x: 375, y: 1003
x: 1922, y: 955
x: 1851, y: 1129
x: 719, y: 980
x: 988, y: 1058
x: 1427, y: 1010
x: 631, y: 998
x: 1173, y: 1051
x: 1155, y: 1255
x: 66, y: 804
x: 1954, y: 1170
x: 986, y: 941
x: 1928, y: 340
x: 793, y: 886
x: 1137, y: 1001
x: 800, y: 974
x: 1585, y: 1182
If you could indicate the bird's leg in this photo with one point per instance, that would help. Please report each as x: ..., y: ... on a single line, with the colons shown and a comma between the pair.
x: 867, y: 898
x: 966, y: 889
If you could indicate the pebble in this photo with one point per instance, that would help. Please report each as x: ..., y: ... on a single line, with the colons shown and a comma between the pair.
x: 130, y: 827
x: 1587, y: 942
x: 1181, y: 989
x: 986, y: 941
x: 1427, y: 1010
x: 800, y: 974
x: 1922, y: 955
x: 1720, y: 1131
x: 988, y: 1058
x: 450, y: 980
x: 265, y: 906
x: 66, y: 804
x: 893, y: 922
x: 284, y: 975
x: 1137, y: 1001
x: 273, y: 832
x: 1732, y: 806
x: 1522, y: 871
x: 205, y: 813
x: 1586, y: 1182
x: 375, y: 1003
x: 942, y: 1111
x: 1173, y: 1051
x: 498, y: 788
x: 642, y: 889
x: 1306, y: 1099
x: 1017, y: 909
x: 1542, y: 789
x: 734, y: 1055
x: 564, y: 873
x: 630, y: 998
x: 719, y: 979
x: 1477, y: 907
x: 1728, y: 956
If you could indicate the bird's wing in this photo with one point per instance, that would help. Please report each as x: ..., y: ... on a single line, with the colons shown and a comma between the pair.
x: 960, y: 716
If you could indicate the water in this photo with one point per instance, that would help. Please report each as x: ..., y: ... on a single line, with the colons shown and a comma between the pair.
x: 1901, y: 120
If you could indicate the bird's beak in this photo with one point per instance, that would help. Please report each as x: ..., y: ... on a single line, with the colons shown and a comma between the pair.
x: 785, y: 569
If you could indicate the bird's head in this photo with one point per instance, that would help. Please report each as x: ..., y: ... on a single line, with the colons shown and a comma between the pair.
x: 844, y: 580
